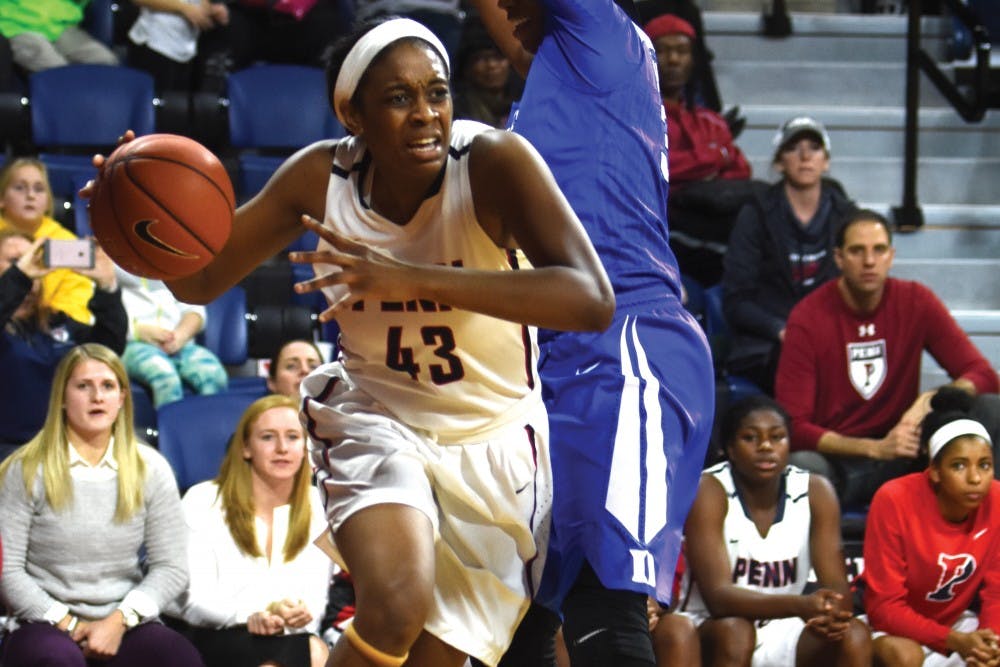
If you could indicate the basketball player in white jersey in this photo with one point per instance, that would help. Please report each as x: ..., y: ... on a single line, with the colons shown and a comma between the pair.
x: 755, y: 530
x: 428, y: 432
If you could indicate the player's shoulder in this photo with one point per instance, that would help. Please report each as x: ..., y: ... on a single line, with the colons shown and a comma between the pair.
x: 464, y: 132
x: 903, y: 492
x: 495, y: 152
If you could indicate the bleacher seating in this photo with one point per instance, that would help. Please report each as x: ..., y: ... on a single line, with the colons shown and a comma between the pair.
x: 69, y: 122
x: 225, y: 331
x: 717, y: 330
x: 195, y: 431
x: 266, y: 126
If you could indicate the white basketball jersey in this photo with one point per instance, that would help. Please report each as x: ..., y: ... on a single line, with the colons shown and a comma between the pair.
x: 776, y: 564
x: 452, y: 373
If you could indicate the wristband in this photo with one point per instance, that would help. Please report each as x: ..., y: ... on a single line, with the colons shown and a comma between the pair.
x: 71, y: 626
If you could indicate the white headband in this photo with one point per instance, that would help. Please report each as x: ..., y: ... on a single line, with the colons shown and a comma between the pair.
x: 375, y: 40
x: 952, y: 430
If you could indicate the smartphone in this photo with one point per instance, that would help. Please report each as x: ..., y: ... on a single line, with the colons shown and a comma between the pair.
x: 68, y: 253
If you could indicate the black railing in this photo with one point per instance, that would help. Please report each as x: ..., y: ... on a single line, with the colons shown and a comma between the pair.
x: 908, y: 216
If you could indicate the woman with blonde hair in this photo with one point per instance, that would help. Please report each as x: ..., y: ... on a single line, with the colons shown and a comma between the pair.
x: 26, y: 205
x: 258, y: 584
x: 79, y: 502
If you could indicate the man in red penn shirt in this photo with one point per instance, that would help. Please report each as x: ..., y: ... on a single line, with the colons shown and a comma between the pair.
x: 849, y: 373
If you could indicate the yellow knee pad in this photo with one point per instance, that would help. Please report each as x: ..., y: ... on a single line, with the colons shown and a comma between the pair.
x: 370, y: 653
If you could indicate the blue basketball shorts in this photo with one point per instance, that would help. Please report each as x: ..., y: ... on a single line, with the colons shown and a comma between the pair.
x: 630, y: 413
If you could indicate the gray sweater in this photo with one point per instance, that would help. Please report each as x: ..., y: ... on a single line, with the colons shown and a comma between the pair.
x: 80, y: 556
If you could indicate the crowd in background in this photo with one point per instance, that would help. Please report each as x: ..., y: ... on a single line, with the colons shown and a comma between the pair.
x: 804, y: 277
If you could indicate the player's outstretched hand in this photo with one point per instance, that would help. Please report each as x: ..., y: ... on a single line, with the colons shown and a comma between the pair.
x: 98, y: 161
x: 355, y: 271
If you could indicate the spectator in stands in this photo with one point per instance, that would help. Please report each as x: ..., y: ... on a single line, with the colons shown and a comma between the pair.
x: 704, y: 88
x: 849, y: 372
x: 26, y: 206
x: 164, y: 38
x: 35, y: 338
x: 290, y: 365
x: 755, y: 530
x: 483, y: 88
x: 93, y: 534
x: 701, y: 145
x: 161, y: 353
x: 708, y: 172
x: 296, y: 32
x: 259, y: 585
x: 47, y: 33
x: 780, y: 249
x: 922, y: 576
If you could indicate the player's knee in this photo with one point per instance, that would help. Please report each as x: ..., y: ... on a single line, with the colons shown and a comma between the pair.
x: 856, y: 646
x: 394, y: 608
x: 727, y: 641
x: 675, y: 640
x: 897, y: 652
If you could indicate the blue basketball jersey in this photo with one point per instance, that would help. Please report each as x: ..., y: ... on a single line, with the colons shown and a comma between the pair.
x: 592, y: 107
x: 630, y: 408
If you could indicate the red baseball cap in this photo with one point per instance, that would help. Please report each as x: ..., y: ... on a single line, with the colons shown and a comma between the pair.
x: 668, y: 24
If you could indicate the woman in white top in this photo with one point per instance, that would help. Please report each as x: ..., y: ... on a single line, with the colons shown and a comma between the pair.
x: 258, y: 584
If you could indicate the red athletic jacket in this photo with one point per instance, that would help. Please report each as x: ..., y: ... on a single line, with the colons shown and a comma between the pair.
x: 921, y: 571
x: 700, y: 146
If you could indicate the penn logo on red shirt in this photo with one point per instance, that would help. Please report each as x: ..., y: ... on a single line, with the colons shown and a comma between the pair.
x: 954, y: 570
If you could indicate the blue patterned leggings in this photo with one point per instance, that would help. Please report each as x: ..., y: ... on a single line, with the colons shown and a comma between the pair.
x: 166, y: 374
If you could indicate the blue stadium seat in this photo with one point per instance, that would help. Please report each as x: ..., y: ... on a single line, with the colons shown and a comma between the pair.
x: 275, y: 110
x: 143, y: 414
x: 195, y: 431
x: 695, y: 303
x: 225, y: 331
x: 76, y: 109
x: 718, y: 333
x: 99, y: 20
x: 89, y: 105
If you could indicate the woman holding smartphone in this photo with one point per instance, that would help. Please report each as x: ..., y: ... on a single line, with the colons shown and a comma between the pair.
x: 26, y: 206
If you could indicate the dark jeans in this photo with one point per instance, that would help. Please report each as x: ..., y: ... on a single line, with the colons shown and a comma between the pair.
x: 255, y: 33
x: 167, y: 74
x: 856, y: 478
x: 148, y: 645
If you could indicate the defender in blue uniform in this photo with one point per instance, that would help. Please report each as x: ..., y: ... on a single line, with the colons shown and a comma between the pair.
x: 630, y: 408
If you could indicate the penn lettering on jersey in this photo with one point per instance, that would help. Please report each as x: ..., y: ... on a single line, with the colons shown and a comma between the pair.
x: 768, y: 574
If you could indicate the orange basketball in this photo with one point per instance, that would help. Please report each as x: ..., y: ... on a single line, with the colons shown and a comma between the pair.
x: 163, y: 206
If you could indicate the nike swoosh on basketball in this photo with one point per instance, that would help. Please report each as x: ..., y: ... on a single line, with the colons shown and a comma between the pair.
x: 141, y: 229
